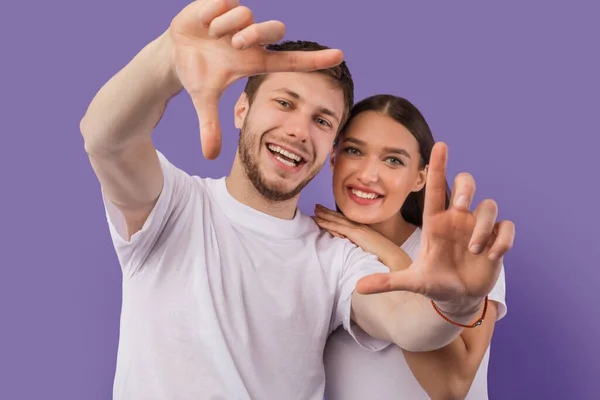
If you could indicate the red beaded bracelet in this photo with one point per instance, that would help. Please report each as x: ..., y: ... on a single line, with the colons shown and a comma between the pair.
x: 473, y: 325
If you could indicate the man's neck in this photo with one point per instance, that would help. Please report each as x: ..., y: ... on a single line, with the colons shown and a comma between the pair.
x: 241, y: 189
x: 395, y: 229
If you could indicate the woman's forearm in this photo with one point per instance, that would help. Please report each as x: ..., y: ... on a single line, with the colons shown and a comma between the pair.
x: 449, y: 372
x: 393, y: 256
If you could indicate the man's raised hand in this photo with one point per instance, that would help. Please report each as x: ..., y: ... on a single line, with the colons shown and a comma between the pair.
x: 216, y: 42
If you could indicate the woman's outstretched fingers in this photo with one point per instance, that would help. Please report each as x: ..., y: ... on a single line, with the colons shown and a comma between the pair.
x: 463, y: 192
x: 505, y: 237
x: 406, y: 280
x: 485, y: 221
x: 435, y: 192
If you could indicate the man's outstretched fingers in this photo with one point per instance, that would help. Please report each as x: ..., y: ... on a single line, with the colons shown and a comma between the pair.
x: 199, y: 14
x: 259, y: 35
x: 231, y: 22
x: 302, y: 61
x: 206, y: 104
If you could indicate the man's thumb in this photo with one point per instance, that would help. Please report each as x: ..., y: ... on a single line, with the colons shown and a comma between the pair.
x: 206, y: 104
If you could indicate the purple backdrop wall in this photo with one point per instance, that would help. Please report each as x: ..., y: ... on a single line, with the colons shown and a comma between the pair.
x: 511, y: 87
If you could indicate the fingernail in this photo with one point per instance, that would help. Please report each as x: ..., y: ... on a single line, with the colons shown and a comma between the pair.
x: 476, y: 248
x: 493, y: 256
x: 461, y: 201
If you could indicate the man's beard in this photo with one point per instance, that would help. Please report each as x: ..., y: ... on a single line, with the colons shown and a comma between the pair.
x: 249, y: 160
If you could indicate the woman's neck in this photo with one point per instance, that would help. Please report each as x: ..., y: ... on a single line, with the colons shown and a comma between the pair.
x: 395, y: 229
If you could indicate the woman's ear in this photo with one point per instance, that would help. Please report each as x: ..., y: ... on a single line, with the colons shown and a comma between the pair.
x: 421, y: 179
x: 240, y: 110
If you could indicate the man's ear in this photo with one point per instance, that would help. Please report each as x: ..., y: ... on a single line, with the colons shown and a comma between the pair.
x: 332, y: 155
x: 241, y: 110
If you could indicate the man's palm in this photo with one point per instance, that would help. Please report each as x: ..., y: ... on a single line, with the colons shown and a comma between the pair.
x: 215, y: 43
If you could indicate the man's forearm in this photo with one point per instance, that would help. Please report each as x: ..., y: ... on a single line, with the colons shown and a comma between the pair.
x: 418, y: 327
x: 131, y: 103
x: 409, y: 320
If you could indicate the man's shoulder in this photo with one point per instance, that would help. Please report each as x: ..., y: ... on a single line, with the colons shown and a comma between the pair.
x: 342, y: 251
x: 322, y: 237
x: 208, y: 183
x: 174, y: 167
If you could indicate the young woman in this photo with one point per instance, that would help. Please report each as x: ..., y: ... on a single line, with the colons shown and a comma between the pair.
x: 379, y: 175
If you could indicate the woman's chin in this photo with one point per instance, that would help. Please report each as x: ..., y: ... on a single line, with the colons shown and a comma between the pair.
x: 360, y: 216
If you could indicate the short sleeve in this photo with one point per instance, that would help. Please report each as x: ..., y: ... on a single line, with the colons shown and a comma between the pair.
x: 356, y: 265
x: 498, y: 294
x: 174, y: 195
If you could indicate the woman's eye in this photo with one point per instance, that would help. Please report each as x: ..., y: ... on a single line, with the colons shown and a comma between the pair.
x: 395, y: 161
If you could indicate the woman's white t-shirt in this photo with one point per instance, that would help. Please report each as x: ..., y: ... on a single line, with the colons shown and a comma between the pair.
x: 354, y: 373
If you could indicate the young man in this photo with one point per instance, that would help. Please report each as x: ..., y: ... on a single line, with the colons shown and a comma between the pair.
x: 229, y: 291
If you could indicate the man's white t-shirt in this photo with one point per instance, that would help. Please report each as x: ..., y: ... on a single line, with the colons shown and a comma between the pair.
x: 354, y: 373
x: 221, y: 301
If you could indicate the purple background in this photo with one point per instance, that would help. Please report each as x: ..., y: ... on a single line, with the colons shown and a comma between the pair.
x: 512, y: 88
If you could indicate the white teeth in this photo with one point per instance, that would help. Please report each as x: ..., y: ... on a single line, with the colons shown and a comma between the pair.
x: 286, y: 162
x: 286, y: 153
x: 364, y: 195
